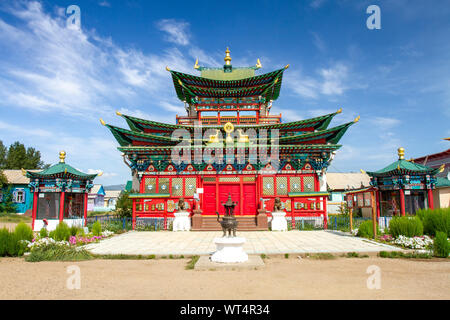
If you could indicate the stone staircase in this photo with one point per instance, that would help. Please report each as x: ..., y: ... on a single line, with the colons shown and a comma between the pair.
x: 209, y: 223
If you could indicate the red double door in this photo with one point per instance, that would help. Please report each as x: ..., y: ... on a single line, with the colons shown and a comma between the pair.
x: 246, y: 201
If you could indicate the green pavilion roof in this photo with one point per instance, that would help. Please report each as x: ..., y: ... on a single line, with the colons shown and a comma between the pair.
x: 442, y: 182
x: 402, y: 167
x: 60, y: 170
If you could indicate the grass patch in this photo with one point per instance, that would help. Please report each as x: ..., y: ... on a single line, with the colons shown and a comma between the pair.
x: 322, y: 256
x: 14, y: 218
x: 408, y: 255
x: 58, y: 253
x: 263, y: 256
x: 192, y: 262
x: 355, y: 255
x: 286, y: 255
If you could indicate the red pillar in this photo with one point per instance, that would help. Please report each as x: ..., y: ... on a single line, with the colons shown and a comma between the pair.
x: 33, y: 214
x: 61, y: 206
x: 134, y: 214
x: 378, y: 201
x: 402, y: 202
x: 430, y: 199
x: 85, y: 208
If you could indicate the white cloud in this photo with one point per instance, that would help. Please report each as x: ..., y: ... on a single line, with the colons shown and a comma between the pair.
x: 330, y: 81
x: 104, y: 4
x: 176, y: 31
x: 385, y: 122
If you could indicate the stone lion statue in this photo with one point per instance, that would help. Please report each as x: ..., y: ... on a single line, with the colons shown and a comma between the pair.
x: 181, y: 204
x: 277, y: 206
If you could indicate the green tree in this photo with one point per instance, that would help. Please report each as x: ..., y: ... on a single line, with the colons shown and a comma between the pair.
x: 3, y: 153
x: 7, y: 205
x: 124, y: 205
x: 3, y: 180
x: 18, y: 157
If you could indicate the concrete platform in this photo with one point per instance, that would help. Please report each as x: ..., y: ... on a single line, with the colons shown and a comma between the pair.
x: 257, y: 242
x: 253, y: 263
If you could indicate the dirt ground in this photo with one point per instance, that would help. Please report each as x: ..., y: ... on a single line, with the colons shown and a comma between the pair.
x: 280, y: 278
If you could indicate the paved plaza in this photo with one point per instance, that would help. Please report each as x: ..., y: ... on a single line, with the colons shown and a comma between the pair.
x: 258, y: 242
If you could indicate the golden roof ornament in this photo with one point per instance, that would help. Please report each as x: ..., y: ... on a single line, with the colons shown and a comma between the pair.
x: 357, y: 119
x: 62, y: 156
x: 196, y: 66
x: 227, y: 57
x: 401, y: 153
x: 339, y: 111
x: 258, y: 64
x: 102, y: 122
x: 119, y: 113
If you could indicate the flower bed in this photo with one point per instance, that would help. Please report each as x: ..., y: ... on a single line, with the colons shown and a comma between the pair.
x: 423, y: 242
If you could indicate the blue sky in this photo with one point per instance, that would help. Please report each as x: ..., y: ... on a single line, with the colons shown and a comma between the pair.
x: 55, y: 82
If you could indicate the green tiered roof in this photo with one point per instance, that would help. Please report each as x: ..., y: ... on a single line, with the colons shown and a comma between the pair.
x: 188, y: 86
x: 60, y: 170
x: 317, y: 123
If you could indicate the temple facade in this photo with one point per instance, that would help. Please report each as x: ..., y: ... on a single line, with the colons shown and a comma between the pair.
x: 228, y: 143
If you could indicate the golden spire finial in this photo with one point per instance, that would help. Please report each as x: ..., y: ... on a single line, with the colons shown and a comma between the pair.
x: 401, y: 153
x: 339, y: 111
x: 62, y: 156
x: 119, y: 113
x: 287, y: 66
x: 227, y: 57
x: 196, y: 66
x: 258, y: 64
x: 167, y: 68
x: 357, y: 119
x: 102, y: 122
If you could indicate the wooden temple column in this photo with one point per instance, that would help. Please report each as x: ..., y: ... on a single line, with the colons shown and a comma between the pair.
x: 61, y: 206
x: 134, y: 214
x: 402, y: 202
x: 378, y: 203
x: 34, y: 212
x: 430, y: 199
x: 85, y: 208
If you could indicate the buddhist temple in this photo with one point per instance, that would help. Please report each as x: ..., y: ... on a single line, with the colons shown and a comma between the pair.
x: 59, y: 194
x: 229, y: 143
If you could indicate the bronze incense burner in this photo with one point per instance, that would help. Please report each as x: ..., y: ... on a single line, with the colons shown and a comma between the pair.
x: 229, y: 222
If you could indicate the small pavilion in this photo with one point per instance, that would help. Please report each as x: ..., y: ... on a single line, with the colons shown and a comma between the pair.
x: 59, y: 194
x: 403, y: 187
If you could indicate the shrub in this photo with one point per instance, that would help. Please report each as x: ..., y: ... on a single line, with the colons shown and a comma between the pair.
x: 441, y: 247
x: 15, y: 247
x: 435, y: 220
x: 43, y: 233
x: 58, y: 252
x: 406, y: 226
x: 74, y: 230
x: 4, y: 238
x: 24, y: 232
x: 97, y: 229
x: 62, y: 232
x: 365, y: 229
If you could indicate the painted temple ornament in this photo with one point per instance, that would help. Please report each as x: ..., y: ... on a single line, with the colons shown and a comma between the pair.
x: 59, y: 194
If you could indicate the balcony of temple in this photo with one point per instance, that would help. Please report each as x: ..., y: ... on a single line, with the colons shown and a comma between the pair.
x: 221, y: 120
